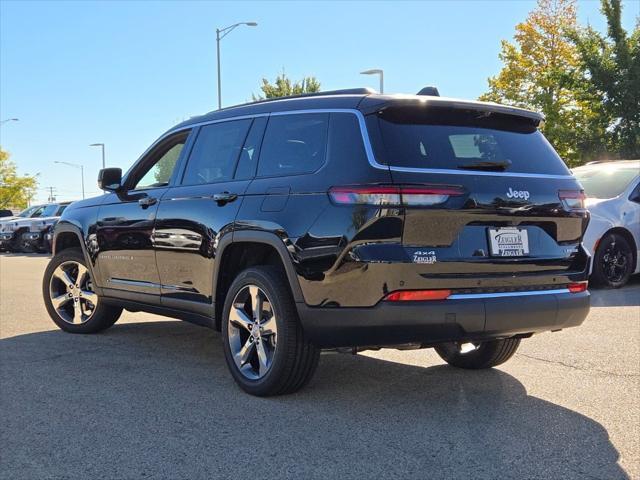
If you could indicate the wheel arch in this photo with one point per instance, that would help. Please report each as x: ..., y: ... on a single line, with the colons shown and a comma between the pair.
x: 241, y: 250
x: 67, y: 235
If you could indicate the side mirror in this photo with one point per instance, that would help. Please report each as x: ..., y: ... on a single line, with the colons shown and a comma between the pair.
x: 110, y: 179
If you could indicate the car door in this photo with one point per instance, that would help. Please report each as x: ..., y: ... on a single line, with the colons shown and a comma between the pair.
x: 201, y: 208
x: 125, y: 259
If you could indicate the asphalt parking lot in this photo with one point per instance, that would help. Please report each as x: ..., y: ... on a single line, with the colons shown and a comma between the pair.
x: 151, y: 398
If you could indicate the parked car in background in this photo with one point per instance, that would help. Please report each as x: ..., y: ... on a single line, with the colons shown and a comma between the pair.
x: 26, y: 213
x: 344, y: 220
x: 4, y: 213
x: 28, y: 234
x: 613, y: 234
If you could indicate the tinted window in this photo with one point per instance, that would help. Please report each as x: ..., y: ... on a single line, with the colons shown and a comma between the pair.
x: 214, y: 155
x: 605, y: 181
x: 345, y: 141
x: 294, y: 144
x: 468, y: 144
x: 248, y: 160
x: 160, y: 172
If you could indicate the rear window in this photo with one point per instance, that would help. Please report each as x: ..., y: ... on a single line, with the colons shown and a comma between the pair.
x: 464, y: 143
x: 605, y: 181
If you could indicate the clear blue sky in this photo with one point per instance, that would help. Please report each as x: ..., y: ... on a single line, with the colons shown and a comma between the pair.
x: 122, y: 72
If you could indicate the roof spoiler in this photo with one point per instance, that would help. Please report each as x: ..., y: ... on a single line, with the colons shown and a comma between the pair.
x: 429, y: 91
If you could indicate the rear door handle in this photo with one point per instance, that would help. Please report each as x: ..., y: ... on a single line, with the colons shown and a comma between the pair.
x: 146, y: 202
x: 224, y: 197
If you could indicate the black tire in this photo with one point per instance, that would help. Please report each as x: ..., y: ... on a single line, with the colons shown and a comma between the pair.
x: 295, y: 358
x: 102, y: 316
x: 613, y: 262
x: 486, y: 354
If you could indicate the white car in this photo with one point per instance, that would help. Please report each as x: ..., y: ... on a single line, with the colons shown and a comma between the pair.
x: 613, y: 235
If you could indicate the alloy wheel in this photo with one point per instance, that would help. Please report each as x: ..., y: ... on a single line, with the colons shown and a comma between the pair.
x: 71, y: 293
x: 614, y: 263
x: 252, y: 332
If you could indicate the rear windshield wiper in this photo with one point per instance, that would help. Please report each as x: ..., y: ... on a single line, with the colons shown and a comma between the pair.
x: 493, y: 166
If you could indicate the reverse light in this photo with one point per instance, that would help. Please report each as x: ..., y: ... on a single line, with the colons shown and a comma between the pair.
x: 417, y: 295
x: 572, y: 199
x: 418, y: 196
x: 578, y: 287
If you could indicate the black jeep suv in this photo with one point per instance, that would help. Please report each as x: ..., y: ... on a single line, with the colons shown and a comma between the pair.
x: 344, y: 220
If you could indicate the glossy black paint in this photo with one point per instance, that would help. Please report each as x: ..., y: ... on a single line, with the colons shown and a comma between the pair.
x: 159, y: 249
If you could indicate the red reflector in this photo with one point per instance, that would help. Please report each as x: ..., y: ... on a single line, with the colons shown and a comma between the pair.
x: 417, y: 295
x: 578, y: 287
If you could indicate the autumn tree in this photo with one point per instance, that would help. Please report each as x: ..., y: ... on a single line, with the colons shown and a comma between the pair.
x: 15, y: 190
x: 611, y: 75
x: 540, y: 72
x: 284, y: 87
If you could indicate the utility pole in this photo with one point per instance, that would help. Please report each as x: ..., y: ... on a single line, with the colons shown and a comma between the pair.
x: 52, y: 197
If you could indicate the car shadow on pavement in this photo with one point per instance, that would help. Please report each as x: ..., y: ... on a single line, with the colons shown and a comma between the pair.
x: 154, y: 399
x: 627, y: 296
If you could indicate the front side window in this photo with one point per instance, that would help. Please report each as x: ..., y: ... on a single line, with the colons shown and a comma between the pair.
x: 49, y: 211
x: 160, y: 172
x: 294, y: 144
x: 215, y: 152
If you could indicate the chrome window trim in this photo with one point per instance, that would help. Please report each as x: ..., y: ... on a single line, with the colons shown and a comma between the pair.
x: 468, y: 296
x: 367, y: 145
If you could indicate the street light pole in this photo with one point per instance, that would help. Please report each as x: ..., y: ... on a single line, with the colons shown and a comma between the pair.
x: 9, y: 120
x: 376, y: 71
x: 220, y: 34
x: 75, y: 165
x: 102, y: 146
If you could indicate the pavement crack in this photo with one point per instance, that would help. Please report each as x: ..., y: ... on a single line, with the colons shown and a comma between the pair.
x: 575, y: 367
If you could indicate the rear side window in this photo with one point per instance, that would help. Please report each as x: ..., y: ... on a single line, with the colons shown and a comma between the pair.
x: 294, y: 144
x: 215, y: 152
x: 464, y: 143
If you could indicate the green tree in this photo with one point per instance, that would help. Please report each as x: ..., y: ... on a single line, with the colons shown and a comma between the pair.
x: 540, y: 72
x: 283, y: 87
x: 611, y: 75
x: 15, y: 191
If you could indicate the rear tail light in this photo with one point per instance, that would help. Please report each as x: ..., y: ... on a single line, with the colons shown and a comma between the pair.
x: 578, y: 287
x: 417, y: 295
x: 572, y: 199
x: 394, y: 196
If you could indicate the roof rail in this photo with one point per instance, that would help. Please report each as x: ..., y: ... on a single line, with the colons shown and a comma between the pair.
x: 346, y: 91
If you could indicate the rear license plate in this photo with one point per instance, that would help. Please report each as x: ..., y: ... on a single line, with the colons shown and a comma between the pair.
x: 508, y: 242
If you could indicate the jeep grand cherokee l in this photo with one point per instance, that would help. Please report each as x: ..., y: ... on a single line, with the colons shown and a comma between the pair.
x: 345, y: 220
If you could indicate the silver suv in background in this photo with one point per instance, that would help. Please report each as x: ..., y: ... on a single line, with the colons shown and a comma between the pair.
x: 28, y: 234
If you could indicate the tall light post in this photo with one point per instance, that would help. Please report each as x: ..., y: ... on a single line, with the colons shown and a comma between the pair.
x: 75, y: 165
x: 220, y: 34
x: 102, y: 146
x: 9, y: 120
x: 376, y: 71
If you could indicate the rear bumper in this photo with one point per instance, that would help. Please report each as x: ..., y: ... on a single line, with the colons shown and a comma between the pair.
x: 461, y: 317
